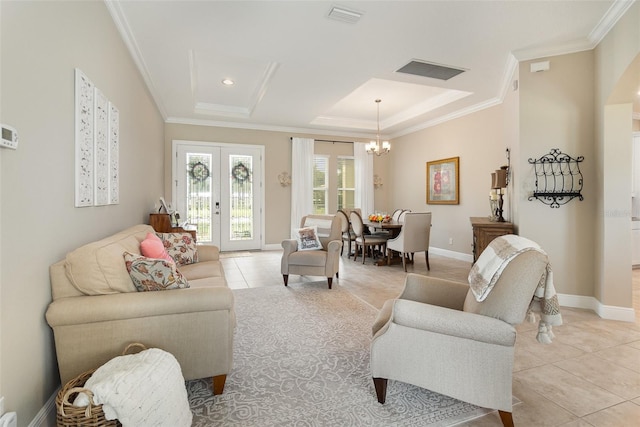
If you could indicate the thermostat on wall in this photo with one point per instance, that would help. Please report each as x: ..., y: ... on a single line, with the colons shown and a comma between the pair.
x: 9, y: 137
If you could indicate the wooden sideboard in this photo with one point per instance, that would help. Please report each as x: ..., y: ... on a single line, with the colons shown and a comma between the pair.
x: 161, y: 222
x: 484, y: 231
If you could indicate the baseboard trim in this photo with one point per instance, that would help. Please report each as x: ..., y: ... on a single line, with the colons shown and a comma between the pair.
x: 609, y: 312
x: 272, y: 247
x: 451, y: 254
x: 46, y: 416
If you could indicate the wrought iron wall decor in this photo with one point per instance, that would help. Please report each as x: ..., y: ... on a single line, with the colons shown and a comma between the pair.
x: 558, y: 178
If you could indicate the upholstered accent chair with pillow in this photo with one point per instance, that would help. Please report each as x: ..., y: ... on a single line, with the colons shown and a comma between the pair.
x: 314, y: 249
x: 128, y: 288
x: 437, y: 336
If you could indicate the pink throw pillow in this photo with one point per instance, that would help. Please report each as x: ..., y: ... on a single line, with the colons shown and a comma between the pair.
x: 152, y: 247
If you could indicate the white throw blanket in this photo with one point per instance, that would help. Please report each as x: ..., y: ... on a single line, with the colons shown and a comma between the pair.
x: 491, y: 263
x: 143, y: 389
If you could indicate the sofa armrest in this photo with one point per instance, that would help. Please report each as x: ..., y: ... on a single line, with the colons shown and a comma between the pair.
x: 208, y: 253
x: 454, y: 323
x: 135, y: 305
x: 434, y: 291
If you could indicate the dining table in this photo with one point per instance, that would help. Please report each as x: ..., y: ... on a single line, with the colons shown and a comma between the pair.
x: 392, y: 226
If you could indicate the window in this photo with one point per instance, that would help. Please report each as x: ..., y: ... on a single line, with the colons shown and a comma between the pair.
x: 346, y: 183
x: 320, y: 184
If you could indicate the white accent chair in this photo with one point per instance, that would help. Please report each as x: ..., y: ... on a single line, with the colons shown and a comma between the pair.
x: 435, y: 335
x: 324, y: 262
x: 413, y: 237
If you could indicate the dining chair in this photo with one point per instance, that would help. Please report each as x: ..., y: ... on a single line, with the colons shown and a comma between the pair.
x: 347, y: 233
x: 413, y: 237
x: 396, y: 214
x: 402, y: 214
x: 365, y: 241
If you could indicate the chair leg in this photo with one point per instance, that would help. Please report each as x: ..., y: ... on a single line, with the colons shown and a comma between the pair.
x: 426, y: 255
x: 505, y: 417
x: 355, y: 251
x: 381, y: 388
x: 286, y: 279
x: 329, y: 280
x: 349, y: 254
x: 404, y: 262
x: 218, y: 384
x: 388, y: 256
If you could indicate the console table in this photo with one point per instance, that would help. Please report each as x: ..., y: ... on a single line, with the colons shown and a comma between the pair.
x: 161, y: 222
x: 484, y: 231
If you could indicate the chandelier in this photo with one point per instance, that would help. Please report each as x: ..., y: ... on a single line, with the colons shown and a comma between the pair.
x: 374, y: 147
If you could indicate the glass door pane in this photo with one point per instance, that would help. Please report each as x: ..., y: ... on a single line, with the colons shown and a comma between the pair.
x: 241, y: 197
x: 199, y: 194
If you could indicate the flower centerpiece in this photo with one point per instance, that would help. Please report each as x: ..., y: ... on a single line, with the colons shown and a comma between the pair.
x: 379, y: 218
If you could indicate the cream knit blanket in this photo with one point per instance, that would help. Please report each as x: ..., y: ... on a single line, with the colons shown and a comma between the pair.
x: 494, y: 259
x: 144, y: 389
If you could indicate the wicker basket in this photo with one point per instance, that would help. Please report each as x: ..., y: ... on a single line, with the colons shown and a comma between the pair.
x: 92, y: 415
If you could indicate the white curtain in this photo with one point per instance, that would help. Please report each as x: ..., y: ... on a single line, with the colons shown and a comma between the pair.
x: 364, y: 178
x: 301, y: 179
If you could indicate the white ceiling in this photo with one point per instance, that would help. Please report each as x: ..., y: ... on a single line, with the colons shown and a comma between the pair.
x: 297, y: 70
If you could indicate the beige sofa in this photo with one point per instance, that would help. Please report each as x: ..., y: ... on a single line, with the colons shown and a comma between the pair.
x: 96, y: 310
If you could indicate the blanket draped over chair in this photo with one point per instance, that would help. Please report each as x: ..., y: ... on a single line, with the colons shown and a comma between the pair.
x: 493, y: 260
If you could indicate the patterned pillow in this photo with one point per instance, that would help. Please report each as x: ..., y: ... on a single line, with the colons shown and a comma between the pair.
x: 307, y: 238
x: 152, y: 274
x: 181, y: 247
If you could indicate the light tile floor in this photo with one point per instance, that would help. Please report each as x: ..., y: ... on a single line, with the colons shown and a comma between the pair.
x: 589, y: 375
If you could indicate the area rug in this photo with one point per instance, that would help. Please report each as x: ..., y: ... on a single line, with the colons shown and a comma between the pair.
x: 301, y: 358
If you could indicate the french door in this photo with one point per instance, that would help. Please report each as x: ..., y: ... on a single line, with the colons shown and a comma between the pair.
x: 218, y: 188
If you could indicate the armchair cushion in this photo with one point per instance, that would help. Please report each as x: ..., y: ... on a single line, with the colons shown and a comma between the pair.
x: 307, y: 238
x: 309, y: 258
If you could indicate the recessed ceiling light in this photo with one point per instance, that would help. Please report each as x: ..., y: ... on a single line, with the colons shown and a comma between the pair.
x: 228, y: 82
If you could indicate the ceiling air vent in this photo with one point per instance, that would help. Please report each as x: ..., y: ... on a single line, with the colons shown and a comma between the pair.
x: 343, y: 14
x: 429, y: 69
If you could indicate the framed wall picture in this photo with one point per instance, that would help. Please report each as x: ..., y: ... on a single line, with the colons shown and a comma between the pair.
x: 443, y: 183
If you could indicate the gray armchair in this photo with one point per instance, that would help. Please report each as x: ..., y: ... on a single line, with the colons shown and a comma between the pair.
x: 322, y: 262
x: 436, y: 335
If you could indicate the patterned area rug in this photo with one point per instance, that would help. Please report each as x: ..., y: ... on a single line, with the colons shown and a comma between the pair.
x: 301, y: 358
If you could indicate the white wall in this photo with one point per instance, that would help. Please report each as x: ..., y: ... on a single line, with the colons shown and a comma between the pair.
x: 479, y: 140
x: 557, y: 111
x: 617, y: 52
x: 41, y: 44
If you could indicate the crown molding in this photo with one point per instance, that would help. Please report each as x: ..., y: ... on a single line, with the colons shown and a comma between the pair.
x: 602, y: 28
x: 609, y: 20
x: 454, y: 115
x: 124, y: 29
x: 269, y: 128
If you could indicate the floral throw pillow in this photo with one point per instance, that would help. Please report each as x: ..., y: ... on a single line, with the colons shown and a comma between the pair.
x: 181, y: 247
x: 307, y: 238
x: 153, y: 274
